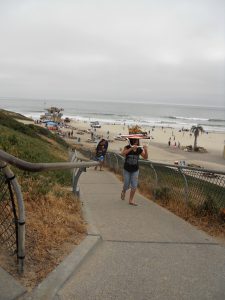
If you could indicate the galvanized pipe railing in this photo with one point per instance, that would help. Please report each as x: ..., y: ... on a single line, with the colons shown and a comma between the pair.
x: 5, y: 158
x: 38, y: 167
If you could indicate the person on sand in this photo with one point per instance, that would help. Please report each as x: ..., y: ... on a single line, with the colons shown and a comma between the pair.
x: 131, y: 168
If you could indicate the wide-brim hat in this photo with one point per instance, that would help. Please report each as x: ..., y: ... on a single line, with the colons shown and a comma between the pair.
x: 137, y: 136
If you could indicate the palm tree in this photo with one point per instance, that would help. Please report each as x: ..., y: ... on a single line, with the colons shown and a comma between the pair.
x: 196, y: 130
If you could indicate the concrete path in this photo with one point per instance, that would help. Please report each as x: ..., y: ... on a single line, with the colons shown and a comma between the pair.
x: 9, y: 287
x: 146, y: 252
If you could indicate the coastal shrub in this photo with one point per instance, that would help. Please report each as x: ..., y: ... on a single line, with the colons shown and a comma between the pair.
x: 210, y: 205
x: 11, y: 123
x: 14, y: 115
x: 29, y: 129
x: 162, y: 193
x: 31, y: 147
x: 45, y: 132
x: 13, y: 140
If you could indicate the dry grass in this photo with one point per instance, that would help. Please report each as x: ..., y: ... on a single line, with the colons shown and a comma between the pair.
x: 54, y: 225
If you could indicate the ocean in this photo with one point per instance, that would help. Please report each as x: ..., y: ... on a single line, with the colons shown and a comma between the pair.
x: 144, y: 114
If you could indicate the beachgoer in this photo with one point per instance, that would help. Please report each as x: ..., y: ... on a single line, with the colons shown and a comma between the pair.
x: 131, y: 168
x: 101, y: 150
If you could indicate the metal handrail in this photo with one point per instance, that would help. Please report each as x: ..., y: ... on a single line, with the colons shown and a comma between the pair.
x: 36, y: 167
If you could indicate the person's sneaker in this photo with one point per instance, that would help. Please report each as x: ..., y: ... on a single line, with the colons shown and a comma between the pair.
x: 122, y: 195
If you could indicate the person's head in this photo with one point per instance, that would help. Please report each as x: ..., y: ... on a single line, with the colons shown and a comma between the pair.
x: 134, y: 142
x: 102, y: 142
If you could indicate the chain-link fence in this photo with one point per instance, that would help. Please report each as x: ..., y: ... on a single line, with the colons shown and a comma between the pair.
x: 203, y: 190
x: 8, y: 216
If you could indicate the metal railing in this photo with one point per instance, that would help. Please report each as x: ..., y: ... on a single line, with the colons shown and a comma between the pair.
x: 12, y: 211
x: 201, y: 189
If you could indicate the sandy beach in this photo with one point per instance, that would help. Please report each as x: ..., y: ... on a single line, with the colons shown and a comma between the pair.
x: 158, y: 147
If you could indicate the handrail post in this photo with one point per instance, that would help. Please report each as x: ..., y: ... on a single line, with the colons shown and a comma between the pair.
x: 76, y: 177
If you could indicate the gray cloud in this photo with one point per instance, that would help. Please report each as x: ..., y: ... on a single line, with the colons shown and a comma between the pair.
x: 129, y: 50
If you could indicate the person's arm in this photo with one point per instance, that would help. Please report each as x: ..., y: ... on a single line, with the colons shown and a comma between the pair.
x: 144, y: 153
x: 127, y: 150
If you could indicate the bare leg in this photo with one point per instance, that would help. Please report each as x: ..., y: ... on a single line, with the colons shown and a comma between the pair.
x: 132, y: 192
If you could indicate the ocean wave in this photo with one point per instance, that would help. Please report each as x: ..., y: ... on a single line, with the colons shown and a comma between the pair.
x: 212, y: 125
x: 186, y: 118
x: 216, y: 120
x: 167, y: 122
x: 105, y: 114
x: 172, y: 121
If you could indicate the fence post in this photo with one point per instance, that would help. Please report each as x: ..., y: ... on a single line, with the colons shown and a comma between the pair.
x: 117, y: 165
x: 107, y: 159
x: 110, y: 160
x: 156, y: 179
x: 121, y: 160
x: 186, y: 189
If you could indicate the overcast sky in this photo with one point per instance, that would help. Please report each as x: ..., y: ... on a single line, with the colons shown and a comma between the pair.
x: 130, y: 50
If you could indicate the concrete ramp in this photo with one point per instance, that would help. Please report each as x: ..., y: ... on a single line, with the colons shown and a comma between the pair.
x: 146, y: 252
